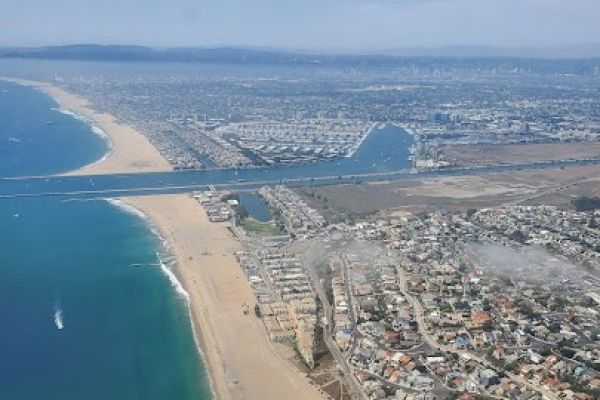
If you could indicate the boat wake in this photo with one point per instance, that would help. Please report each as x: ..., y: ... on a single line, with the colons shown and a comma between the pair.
x: 58, y: 318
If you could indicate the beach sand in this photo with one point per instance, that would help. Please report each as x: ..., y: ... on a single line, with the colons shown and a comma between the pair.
x: 240, y: 359
x: 242, y: 362
x: 130, y: 150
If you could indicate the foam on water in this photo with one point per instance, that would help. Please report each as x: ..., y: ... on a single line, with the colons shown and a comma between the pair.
x: 175, y: 283
x: 129, y: 209
x: 173, y: 279
x: 58, y: 318
x: 120, y: 204
x: 95, y: 128
x: 180, y: 290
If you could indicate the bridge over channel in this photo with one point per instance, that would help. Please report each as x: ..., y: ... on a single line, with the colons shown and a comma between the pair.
x: 122, y: 185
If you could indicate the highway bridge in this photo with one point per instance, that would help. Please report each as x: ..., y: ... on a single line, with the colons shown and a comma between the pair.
x: 122, y: 185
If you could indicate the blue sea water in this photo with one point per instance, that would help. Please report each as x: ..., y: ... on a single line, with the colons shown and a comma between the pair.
x: 385, y: 150
x: 86, y: 311
x: 36, y: 138
x: 92, y: 269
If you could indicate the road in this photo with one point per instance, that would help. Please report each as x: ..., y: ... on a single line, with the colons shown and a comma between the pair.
x: 432, y: 342
x: 352, y: 383
x: 351, y: 305
x: 186, y: 181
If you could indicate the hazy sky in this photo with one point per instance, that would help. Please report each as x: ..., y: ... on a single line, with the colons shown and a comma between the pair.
x: 304, y: 24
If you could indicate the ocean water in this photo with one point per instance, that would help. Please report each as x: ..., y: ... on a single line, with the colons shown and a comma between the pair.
x: 385, y: 150
x: 38, y: 138
x: 86, y: 310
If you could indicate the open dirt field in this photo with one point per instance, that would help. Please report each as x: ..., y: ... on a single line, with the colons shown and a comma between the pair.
x: 549, y: 186
x: 518, y: 153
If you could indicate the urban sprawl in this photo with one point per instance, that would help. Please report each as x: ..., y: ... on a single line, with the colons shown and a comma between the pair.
x: 488, y: 303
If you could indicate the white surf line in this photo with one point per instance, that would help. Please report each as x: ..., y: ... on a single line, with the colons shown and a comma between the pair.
x: 96, y: 130
x: 171, y: 276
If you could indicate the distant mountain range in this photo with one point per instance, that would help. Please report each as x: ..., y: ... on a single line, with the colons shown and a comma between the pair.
x: 549, y: 52
x: 274, y: 56
x: 141, y: 53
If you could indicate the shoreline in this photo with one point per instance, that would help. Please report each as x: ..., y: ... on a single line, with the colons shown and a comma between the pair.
x: 359, y: 143
x: 239, y: 360
x: 175, y: 280
x: 121, y: 138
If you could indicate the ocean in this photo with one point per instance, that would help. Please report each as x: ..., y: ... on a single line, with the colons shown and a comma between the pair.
x: 87, y: 310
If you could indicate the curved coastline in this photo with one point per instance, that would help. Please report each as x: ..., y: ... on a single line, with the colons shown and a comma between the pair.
x: 171, y: 274
x: 96, y: 130
x: 239, y: 360
x: 112, y: 162
x: 121, y: 138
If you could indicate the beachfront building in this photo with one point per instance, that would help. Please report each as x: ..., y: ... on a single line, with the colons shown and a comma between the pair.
x: 301, y: 220
x: 286, y: 302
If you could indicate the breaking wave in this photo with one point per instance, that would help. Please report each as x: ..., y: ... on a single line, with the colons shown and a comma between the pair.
x: 173, y: 279
x: 95, y: 128
x: 123, y: 206
x: 175, y: 283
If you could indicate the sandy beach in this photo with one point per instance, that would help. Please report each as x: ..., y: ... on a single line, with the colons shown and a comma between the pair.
x: 242, y: 362
x: 130, y: 150
x: 240, y: 359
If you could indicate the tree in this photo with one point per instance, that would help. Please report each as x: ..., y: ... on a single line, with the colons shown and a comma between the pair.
x: 586, y: 203
x: 470, y: 212
x: 518, y: 236
x: 554, y: 327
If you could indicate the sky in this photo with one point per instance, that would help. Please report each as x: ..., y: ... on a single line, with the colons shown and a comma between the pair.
x: 302, y: 24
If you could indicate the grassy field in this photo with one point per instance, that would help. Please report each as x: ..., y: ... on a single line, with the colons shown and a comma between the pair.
x: 257, y: 228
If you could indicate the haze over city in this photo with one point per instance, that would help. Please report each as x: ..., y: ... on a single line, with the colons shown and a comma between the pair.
x: 333, y: 25
x: 300, y: 200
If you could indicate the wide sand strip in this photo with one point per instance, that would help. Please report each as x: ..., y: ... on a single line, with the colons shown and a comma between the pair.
x: 130, y: 150
x: 242, y: 361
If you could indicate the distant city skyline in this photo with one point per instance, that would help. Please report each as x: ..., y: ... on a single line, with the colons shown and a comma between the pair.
x: 347, y: 25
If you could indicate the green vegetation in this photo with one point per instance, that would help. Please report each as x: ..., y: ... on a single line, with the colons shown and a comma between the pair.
x: 257, y: 228
x: 240, y: 212
x: 471, y: 212
x: 587, y: 203
x: 446, y: 309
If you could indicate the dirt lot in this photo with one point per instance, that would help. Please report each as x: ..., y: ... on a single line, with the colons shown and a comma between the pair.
x: 517, y: 153
x: 549, y: 186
